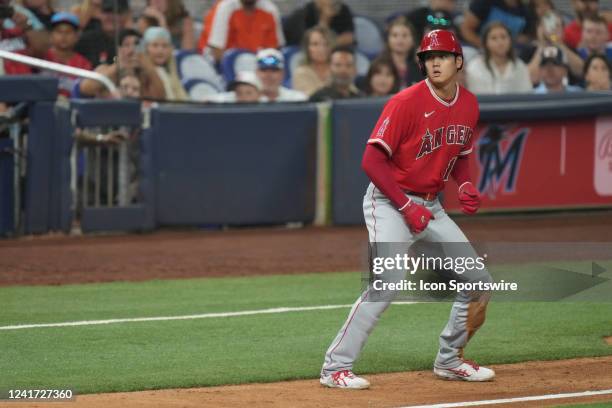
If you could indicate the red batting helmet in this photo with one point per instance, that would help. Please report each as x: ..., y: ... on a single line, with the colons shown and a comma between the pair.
x: 438, y: 40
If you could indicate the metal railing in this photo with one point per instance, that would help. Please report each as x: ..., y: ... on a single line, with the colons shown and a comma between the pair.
x: 64, y: 69
x: 105, y: 171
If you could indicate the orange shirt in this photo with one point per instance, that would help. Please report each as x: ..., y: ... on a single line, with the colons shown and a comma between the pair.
x: 228, y: 25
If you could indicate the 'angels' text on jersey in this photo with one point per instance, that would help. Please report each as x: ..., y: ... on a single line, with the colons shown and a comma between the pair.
x: 453, y: 134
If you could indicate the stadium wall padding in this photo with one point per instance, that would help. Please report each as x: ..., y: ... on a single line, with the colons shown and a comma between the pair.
x: 354, y: 120
x: 40, y: 198
x: 239, y: 166
x: 352, y: 123
x: 7, y: 196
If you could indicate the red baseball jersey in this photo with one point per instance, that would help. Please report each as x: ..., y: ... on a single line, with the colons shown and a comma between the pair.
x: 424, y: 135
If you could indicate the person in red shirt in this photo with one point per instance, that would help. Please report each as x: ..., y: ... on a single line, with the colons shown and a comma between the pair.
x: 572, y: 34
x: 422, y: 138
x: 246, y: 24
x: 64, y: 36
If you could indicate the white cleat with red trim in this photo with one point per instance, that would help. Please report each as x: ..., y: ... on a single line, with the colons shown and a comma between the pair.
x: 467, y: 371
x: 344, y: 379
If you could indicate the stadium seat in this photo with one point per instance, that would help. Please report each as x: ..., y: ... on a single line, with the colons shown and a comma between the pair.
x: 362, y: 62
x: 192, y: 65
x: 293, y: 57
x: 368, y: 35
x: 200, y: 89
x: 236, y: 60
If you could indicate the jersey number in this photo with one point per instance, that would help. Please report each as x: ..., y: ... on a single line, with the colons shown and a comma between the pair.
x: 451, y: 164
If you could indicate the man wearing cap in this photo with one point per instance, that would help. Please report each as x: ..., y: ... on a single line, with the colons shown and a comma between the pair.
x: 98, y: 46
x: 553, y: 71
x: 64, y: 36
x: 271, y: 72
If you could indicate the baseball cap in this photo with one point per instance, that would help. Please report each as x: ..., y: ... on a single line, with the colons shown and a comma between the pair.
x: 65, y: 18
x: 109, y: 6
x: 245, y: 77
x: 553, y: 55
x: 270, y: 58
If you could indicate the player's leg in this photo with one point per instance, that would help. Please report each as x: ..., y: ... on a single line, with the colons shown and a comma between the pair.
x: 385, y: 225
x: 469, y: 309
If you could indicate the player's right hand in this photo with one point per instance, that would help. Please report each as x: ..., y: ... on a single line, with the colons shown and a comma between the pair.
x: 416, y: 217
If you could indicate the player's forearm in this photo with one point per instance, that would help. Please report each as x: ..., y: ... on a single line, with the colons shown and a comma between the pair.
x: 376, y: 165
x: 461, y: 171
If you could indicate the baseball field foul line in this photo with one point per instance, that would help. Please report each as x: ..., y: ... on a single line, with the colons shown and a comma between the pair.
x: 185, y: 317
x: 512, y: 400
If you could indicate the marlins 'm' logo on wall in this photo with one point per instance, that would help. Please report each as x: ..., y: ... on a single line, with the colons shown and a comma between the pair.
x: 499, y: 153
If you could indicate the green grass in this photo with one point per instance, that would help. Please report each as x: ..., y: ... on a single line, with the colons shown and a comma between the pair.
x: 261, y: 348
x: 593, y: 405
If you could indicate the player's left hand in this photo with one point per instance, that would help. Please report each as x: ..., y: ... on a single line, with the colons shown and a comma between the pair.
x: 469, y: 198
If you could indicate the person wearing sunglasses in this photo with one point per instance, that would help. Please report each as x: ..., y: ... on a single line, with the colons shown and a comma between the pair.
x: 438, y: 13
x: 271, y: 72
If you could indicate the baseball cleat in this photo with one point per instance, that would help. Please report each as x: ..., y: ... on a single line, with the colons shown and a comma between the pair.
x: 344, y: 379
x: 467, y: 371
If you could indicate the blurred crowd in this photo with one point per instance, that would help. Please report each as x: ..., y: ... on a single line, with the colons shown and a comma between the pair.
x: 245, y: 51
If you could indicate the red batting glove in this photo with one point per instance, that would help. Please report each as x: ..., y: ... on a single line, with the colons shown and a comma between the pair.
x: 416, y: 216
x: 469, y: 198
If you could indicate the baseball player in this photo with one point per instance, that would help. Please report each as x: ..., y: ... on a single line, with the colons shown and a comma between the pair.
x: 423, y: 136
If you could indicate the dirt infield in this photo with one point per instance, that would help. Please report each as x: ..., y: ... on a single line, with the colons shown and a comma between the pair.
x: 388, y: 390
x: 166, y: 255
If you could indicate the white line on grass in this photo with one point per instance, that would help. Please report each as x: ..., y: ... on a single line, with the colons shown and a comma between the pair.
x: 184, y: 317
x: 513, y: 400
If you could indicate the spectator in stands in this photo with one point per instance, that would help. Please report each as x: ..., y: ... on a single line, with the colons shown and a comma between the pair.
x: 172, y: 15
x: 42, y: 9
x: 553, y: 67
x: 512, y: 13
x: 270, y: 72
x: 89, y: 13
x: 65, y: 29
x: 127, y: 59
x: 400, y: 48
x: 595, y: 37
x: 382, y: 78
x: 22, y: 33
x: 572, y: 35
x: 129, y: 84
x: 597, y: 73
x: 332, y: 14
x: 343, y: 72
x: 246, y: 88
x: 550, y: 33
x: 314, y: 72
x: 158, y: 48
x: 98, y: 46
x: 497, y: 70
x: 441, y: 10
x: 245, y: 24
